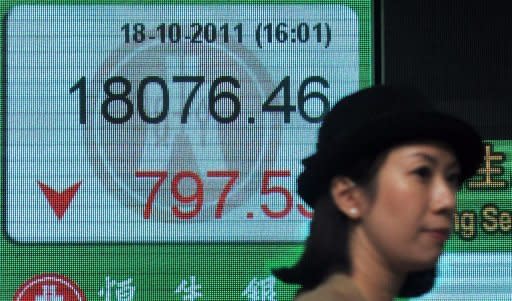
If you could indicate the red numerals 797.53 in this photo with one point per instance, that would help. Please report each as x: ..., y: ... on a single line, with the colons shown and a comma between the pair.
x: 197, y: 198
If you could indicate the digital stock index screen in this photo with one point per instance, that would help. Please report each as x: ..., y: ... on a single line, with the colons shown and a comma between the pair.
x: 150, y: 149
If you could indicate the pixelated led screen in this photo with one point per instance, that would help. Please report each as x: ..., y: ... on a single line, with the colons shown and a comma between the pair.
x: 150, y: 149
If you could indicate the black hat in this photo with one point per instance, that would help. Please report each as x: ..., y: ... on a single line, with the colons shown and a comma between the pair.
x: 375, y: 119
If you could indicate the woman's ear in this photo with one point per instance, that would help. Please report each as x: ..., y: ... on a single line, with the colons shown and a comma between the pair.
x: 347, y: 197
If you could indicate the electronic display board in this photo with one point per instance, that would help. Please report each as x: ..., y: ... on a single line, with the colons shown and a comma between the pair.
x: 150, y: 149
x: 169, y: 132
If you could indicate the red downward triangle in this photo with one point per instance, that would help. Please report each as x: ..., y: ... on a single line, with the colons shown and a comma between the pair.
x: 59, y: 201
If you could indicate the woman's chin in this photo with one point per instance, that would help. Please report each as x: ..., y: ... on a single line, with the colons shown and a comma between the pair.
x: 425, y: 263
x: 422, y: 261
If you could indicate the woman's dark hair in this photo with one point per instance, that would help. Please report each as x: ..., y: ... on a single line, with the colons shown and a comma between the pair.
x: 326, y: 251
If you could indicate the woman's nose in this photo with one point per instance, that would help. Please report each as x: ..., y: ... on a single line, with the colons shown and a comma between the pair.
x: 444, y: 196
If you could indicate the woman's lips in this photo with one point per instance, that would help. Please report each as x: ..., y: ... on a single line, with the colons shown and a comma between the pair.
x: 439, y: 234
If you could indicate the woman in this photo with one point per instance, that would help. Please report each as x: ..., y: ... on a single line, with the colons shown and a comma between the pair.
x: 382, y: 183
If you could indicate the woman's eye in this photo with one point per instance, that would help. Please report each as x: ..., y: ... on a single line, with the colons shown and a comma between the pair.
x: 423, y: 172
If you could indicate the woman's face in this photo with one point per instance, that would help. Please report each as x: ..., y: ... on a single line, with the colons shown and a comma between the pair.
x: 410, y: 217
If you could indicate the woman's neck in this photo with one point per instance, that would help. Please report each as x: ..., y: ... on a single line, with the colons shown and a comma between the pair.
x: 371, y: 273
